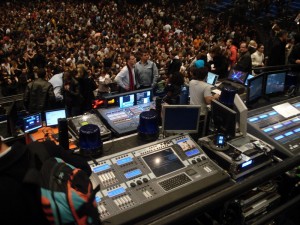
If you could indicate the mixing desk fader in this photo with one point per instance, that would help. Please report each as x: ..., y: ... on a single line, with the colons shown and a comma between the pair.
x: 151, y: 177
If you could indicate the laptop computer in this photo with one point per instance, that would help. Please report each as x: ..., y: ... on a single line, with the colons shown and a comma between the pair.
x: 211, y: 78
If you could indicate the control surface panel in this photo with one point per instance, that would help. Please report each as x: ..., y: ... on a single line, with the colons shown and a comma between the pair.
x: 123, y: 120
x: 75, y: 123
x: 152, y: 176
x: 282, y: 132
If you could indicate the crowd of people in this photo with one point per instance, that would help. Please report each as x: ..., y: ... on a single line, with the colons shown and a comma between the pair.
x: 87, y: 44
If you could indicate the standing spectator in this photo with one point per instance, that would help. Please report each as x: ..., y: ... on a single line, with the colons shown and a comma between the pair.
x: 244, y: 62
x: 175, y: 63
x: 146, y: 72
x: 173, y: 88
x: 294, y: 57
x: 258, y: 56
x: 104, y: 82
x: 71, y: 92
x: 126, y: 77
x: 277, y: 50
x: 233, y: 52
x: 39, y: 95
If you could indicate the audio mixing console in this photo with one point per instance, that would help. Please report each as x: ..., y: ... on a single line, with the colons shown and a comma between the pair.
x: 283, y: 133
x: 136, y: 182
x: 78, y: 121
x: 123, y: 120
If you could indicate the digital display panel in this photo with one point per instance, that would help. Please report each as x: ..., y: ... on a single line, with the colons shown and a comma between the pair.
x: 126, y: 101
x: 98, y: 199
x: 116, y: 192
x: 101, y: 168
x: 192, y: 152
x: 133, y: 173
x: 143, y: 97
x: 255, y: 88
x: 247, y: 163
x: 288, y: 133
x: 248, y: 78
x: 237, y: 76
x: 174, y: 121
x: 32, y: 122
x: 211, y: 78
x: 275, y: 83
x: 163, y: 162
x: 124, y: 161
x: 53, y: 116
x: 84, y: 123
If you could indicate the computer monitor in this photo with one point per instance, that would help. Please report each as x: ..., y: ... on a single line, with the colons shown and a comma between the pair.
x: 180, y: 118
x: 255, y: 88
x: 242, y: 113
x: 126, y: 101
x: 32, y: 122
x: 52, y: 116
x: 237, y: 76
x: 275, y: 83
x: 143, y: 97
x: 250, y: 76
x: 224, y: 119
x: 211, y: 78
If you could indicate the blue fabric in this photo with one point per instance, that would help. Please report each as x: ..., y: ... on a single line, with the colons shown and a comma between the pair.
x: 199, y: 63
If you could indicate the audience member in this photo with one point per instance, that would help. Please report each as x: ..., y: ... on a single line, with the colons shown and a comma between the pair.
x: 146, y: 72
x: 39, y: 95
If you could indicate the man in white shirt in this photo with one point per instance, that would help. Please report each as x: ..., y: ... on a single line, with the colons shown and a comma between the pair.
x: 126, y: 77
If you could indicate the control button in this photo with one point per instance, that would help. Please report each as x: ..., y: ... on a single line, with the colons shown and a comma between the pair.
x: 145, y: 180
x: 191, y: 172
x: 194, y: 161
x: 199, y: 160
x: 203, y: 157
x: 139, y: 182
x: 132, y: 184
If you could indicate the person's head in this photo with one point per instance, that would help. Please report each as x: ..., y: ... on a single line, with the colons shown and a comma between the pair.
x: 252, y: 44
x: 282, y: 35
x: 260, y: 48
x: 144, y: 55
x: 297, y: 38
x: 229, y: 42
x: 41, y: 73
x: 200, y: 73
x: 130, y: 59
x: 243, y: 47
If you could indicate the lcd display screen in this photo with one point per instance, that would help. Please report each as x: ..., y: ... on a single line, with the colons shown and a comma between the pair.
x: 163, y: 162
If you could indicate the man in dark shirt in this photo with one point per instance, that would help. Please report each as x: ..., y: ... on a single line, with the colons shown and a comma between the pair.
x: 277, y: 50
x: 244, y: 62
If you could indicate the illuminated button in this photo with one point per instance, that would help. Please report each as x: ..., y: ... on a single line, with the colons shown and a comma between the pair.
x: 278, y: 137
x: 139, y: 182
x: 268, y: 130
x: 253, y: 119
x: 194, y: 161
x: 132, y: 184
x: 263, y: 116
x: 289, y: 133
x: 145, y: 180
x: 277, y: 126
x: 272, y: 113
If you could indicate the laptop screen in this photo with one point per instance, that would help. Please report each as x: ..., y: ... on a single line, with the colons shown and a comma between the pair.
x: 212, y: 78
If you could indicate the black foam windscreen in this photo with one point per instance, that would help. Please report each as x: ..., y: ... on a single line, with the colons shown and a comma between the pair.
x: 63, y: 136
